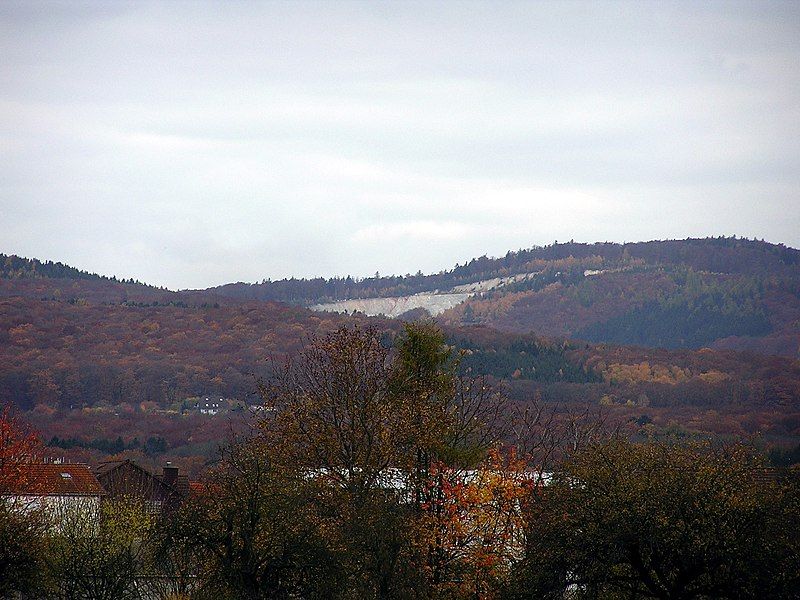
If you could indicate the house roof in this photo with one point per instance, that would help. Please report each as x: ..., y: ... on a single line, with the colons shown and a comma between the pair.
x: 179, y: 486
x: 109, y: 465
x: 49, y: 479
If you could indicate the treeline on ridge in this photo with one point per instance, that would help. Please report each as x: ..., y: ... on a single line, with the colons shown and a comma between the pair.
x: 719, y: 255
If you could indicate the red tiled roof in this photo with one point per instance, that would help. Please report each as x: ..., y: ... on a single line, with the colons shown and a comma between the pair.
x: 49, y: 479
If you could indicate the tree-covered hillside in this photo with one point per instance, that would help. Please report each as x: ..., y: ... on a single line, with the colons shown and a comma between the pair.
x: 18, y: 267
x: 691, y: 294
x: 718, y: 292
x: 98, y: 363
x: 719, y: 255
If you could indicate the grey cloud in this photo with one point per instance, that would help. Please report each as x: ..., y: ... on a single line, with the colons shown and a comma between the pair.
x: 189, y: 144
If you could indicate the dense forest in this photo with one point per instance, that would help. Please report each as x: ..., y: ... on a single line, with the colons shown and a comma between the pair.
x: 656, y: 305
x: 718, y: 292
x: 388, y: 472
x: 718, y: 255
x: 726, y: 293
x: 98, y: 377
x: 16, y: 267
x: 100, y: 365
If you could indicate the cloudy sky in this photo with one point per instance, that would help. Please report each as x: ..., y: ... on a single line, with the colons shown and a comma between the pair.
x: 192, y: 144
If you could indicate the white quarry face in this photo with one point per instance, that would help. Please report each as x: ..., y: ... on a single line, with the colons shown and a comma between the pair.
x: 434, y: 302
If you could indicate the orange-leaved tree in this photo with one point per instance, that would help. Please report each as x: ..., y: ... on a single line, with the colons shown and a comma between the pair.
x: 19, y: 446
x: 478, y: 518
x: 21, y: 531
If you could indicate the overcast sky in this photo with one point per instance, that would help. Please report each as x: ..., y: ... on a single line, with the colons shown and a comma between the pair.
x: 193, y: 144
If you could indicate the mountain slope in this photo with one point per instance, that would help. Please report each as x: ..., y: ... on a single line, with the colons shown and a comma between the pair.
x: 101, y: 363
x: 718, y: 292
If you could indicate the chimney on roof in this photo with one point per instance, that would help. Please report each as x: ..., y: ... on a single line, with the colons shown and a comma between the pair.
x: 170, y: 473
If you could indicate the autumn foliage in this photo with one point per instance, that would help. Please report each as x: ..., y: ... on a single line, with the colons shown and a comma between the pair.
x: 19, y: 447
x: 378, y: 469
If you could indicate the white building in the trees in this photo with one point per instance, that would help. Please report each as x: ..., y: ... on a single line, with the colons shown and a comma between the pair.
x: 60, y: 491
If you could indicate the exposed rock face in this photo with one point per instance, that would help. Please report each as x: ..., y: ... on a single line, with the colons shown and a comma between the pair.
x: 434, y: 302
x: 394, y: 307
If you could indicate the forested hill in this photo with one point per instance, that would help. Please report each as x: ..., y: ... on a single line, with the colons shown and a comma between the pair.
x: 720, y: 293
x: 724, y: 293
x: 717, y: 255
x: 98, y: 371
x: 56, y: 281
x: 730, y: 293
x: 18, y: 267
x: 103, y: 363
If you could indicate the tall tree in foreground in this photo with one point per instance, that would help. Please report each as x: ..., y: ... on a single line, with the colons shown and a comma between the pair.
x: 622, y: 520
x: 330, y: 411
x: 390, y: 433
